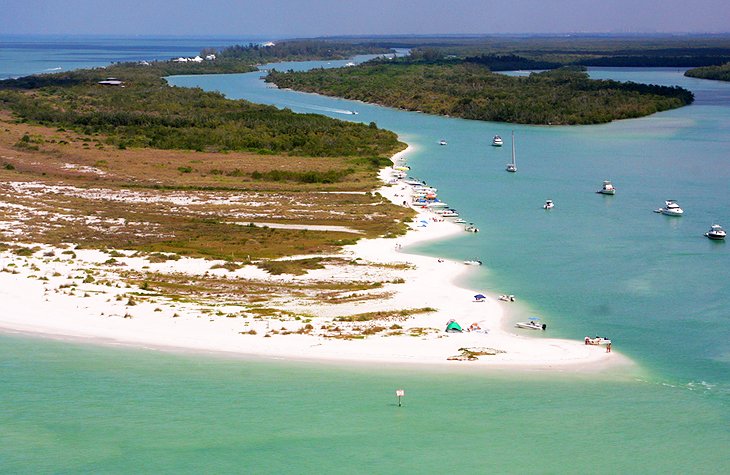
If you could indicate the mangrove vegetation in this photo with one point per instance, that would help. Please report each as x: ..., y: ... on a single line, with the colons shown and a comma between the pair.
x: 470, y: 90
x: 718, y: 73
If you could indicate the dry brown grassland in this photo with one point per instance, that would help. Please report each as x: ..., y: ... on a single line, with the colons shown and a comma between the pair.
x: 67, y: 190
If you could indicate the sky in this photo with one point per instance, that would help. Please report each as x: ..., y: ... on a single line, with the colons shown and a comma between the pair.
x: 301, y: 18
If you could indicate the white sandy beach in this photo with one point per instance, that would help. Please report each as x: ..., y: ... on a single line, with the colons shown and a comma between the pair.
x: 80, y: 296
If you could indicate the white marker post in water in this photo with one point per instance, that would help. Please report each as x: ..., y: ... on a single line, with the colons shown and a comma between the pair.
x: 400, y: 393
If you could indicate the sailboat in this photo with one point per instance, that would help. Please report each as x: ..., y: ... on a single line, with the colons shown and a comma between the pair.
x: 512, y: 167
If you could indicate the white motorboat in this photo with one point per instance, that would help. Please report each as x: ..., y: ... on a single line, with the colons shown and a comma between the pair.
x: 512, y: 166
x: 716, y: 233
x: 507, y: 298
x: 497, y: 141
x: 671, y: 208
x: 607, y: 188
x: 533, y: 323
x: 473, y: 262
x: 460, y: 221
x: 598, y: 340
x: 448, y: 213
x: 443, y: 142
x: 471, y: 229
x: 548, y: 204
x: 414, y: 182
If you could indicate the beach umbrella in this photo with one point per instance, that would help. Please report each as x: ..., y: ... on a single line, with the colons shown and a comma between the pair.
x: 480, y: 296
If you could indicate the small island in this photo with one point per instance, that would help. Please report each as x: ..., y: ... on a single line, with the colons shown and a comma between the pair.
x: 470, y: 90
x: 717, y: 73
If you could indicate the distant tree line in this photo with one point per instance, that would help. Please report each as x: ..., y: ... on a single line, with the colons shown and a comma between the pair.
x: 293, y: 50
x: 718, y: 73
x: 655, y: 61
x: 510, y: 62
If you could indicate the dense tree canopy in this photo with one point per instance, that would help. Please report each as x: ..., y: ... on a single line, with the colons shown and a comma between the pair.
x: 472, y: 91
x: 301, y: 50
x: 147, y: 112
x: 719, y: 73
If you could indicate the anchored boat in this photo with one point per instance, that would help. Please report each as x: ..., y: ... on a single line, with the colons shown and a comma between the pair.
x: 671, y: 208
x: 716, y: 233
x: 512, y: 166
x: 607, y: 189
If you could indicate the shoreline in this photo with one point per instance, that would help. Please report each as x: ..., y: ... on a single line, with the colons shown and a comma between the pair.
x: 41, y: 300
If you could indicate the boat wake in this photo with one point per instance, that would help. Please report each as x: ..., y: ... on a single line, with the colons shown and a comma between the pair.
x: 323, y: 109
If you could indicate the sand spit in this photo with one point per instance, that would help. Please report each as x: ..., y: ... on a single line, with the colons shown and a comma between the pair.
x: 372, y: 303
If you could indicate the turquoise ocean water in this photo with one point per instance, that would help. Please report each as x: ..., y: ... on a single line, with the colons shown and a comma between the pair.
x: 594, y: 264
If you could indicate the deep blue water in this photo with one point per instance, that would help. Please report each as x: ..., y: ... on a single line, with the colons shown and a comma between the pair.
x: 25, y: 55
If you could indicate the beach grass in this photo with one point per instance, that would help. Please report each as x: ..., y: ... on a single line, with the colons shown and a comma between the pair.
x: 139, y: 200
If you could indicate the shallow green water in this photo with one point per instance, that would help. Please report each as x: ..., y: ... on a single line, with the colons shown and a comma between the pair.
x: 72, y: 408
x: 594, y: 264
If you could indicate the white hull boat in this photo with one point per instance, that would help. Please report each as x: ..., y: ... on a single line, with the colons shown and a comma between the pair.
x: 607, y: 188
x: 671, y: 208
x: 448, y: 213
x: 512, y: 166
x: 533, y: 324
x: 716, y: 233
x: 599, y: 340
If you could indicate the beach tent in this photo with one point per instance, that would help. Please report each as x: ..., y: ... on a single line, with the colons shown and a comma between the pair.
x: 453, y: 327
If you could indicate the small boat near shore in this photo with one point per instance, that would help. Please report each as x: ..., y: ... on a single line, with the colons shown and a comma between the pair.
x: 473, y: 262
x: 716, y: 233
x: 448, y: 213
x: 507, y: 298
x: 598, y: 340
x: 471, y: 229
x: 671, y: 208
x: 607, y: 188
x: 533, y: 323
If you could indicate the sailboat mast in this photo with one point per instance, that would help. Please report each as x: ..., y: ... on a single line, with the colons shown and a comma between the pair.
x: 513, y: 148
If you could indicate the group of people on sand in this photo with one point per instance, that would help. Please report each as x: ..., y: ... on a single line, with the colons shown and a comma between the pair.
x: 474, y: 327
